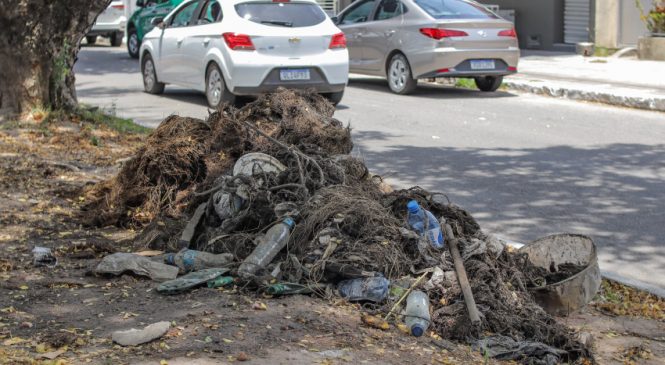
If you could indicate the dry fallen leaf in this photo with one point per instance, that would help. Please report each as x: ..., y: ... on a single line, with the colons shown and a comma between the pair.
x: 375, y: 322
x: 13, y: 341
x: 259, y: 306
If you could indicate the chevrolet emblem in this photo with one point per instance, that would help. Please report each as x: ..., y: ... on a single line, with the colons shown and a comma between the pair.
x: 294, y: 40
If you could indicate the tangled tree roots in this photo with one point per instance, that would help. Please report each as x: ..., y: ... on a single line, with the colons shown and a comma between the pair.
x: 171, y: 160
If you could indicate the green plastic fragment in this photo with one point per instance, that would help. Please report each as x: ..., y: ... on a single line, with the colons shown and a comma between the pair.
x: 220, y: 282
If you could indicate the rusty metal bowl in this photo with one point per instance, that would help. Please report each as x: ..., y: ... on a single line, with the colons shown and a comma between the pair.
x: 569, y: 295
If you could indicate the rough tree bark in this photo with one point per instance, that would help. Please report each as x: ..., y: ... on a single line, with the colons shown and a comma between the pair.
x: 39, y: 41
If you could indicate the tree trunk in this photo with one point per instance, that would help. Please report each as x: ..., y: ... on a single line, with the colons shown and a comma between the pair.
x: 39, y: 42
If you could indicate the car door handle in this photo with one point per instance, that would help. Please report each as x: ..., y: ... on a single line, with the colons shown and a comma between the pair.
x: 389, y: 33
x: 206, y: 41
x: 179, y: 41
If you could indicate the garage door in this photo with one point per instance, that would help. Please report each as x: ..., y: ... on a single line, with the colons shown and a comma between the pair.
x: 576, y: 21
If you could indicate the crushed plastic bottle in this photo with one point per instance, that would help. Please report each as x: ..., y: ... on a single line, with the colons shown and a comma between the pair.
x: 192, y: 260
x: 374, y: 289
x: 226, y: 206
x: 425, y: 224
x: 271, y: 243
x: 417, y: 316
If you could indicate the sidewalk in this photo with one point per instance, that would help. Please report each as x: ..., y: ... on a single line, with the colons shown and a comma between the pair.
x: 617, y: 81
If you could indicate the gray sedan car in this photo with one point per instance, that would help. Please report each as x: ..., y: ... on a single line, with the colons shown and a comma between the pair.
x: 407, y: 40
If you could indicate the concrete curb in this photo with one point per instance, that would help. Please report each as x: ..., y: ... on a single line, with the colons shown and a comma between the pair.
x: 628, y: 101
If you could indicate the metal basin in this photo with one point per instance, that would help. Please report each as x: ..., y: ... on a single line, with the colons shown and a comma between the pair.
x: 569, y: 295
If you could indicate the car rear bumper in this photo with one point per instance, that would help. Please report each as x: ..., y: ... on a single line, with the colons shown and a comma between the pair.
x: 252, y: 73
x: 317, y: 82
x: 106, y: 28
x: 425, y: 64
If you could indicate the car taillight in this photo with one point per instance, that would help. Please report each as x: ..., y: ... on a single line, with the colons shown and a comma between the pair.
x: 119, y: 6
x: 338, y: 41
x: 508, y: 33
x: 237, y: 41
x: 438, y: 33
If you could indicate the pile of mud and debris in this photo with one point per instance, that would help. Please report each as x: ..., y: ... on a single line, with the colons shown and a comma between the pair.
x: 272, y: 190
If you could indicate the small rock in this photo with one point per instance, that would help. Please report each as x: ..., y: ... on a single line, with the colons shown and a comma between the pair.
x: 242, y: 357
x: 134, y: 337
x: 586, y: 339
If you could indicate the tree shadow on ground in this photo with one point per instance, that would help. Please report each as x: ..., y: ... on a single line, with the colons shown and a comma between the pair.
x: 612, y: 192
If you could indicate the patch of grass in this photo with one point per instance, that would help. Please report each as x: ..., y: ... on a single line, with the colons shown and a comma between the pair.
x: 100, y: 117
x: 96, y: 117
x: 604, y: 52
x: 465, y: 84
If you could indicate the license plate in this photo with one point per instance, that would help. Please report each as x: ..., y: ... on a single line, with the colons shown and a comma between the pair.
x: 294, y: 74
x: 482, y: 64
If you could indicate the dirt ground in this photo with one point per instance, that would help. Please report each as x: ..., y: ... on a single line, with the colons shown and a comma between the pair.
x: 65, y: 315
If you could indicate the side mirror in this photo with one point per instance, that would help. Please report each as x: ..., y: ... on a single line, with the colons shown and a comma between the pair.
x: 140, y: 3
x: 157, y: 22
x: 335, y: 19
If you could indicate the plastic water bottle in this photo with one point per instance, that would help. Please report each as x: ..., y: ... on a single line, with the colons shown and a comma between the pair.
x: 191, y: 260
x: 425, y: 224
x: 271, y: 243
x: 417, y: 317
x: 374, y: 289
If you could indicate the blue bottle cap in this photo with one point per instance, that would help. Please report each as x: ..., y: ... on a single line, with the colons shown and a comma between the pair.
x: 417, y: 330
x: 289, y: 222
x: 169, y: 259
x: 413, y: 206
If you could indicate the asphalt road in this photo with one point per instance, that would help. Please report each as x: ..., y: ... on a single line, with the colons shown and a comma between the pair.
x: 525, y: 166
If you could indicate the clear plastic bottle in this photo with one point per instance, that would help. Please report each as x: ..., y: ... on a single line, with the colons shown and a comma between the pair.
x: 192, y: 260
x: 417, y: 316
x: 425, y: 224
x: 374, y: 289
x: 271, y: 243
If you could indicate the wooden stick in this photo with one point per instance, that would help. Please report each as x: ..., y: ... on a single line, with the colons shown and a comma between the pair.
x: 461, y: 277
x: 405, y: 295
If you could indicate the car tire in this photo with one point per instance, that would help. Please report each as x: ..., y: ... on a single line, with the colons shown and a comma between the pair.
x: 133, y: 43
x: 488, y: 83
x: 400, y: 79
x: 116, y: 39
x: 91, y: 39
x: 335, y: 98
x: 217, y: 94
x: 150, y: 83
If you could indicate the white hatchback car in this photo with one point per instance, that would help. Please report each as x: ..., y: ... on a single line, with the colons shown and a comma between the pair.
x: 245, y: 47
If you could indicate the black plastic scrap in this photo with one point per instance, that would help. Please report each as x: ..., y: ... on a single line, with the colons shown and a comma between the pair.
x: 505, y: 348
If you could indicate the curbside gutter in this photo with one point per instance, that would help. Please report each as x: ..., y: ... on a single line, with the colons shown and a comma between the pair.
x: 646, y: 100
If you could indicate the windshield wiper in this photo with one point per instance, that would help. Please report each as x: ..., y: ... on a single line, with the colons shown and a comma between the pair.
x: 277, y: 22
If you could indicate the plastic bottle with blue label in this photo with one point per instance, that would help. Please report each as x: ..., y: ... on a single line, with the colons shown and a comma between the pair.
x: 425, y: 224
x: 192, y: 260
x: 271, y: 243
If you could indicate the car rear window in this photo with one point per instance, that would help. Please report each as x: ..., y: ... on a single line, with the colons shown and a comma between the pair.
x: 454, y: 9
x: 281, y: 14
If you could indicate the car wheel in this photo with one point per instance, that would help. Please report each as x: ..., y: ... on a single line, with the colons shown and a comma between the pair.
x: 216, y: 91
x: 400, y: 79
x: 150, y: 83
x: 488, y: 83
x: 91, y: 39
x: 116, y: 39
x: 335, y: 98
x: 133, y: 43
